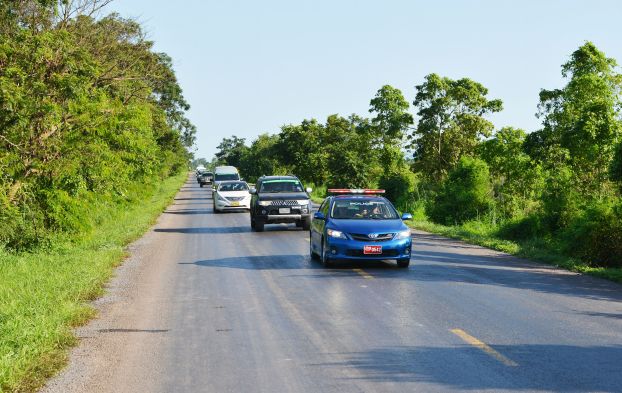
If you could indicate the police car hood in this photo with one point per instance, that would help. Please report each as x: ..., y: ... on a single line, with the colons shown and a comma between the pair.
x: 369, y: 226
x: 271, y: 196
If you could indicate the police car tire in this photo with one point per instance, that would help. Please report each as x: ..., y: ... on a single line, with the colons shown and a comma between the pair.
x: 314, y: 255
x: 259, y: 226
x: 403, y: 263
x: 326, y: 262
x: 306, y: 224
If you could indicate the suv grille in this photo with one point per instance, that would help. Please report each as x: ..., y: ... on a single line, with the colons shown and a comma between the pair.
x: 382, y: 237
x: 280, y: 202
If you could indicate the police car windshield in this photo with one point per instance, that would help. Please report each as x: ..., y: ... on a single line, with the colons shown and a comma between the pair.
x: 271, y: 186
x: 361, y: 209
x: 237, y: 186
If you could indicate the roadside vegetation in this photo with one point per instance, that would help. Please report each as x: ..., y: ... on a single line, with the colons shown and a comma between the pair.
x: 552, y: 194
x: 93, y: 145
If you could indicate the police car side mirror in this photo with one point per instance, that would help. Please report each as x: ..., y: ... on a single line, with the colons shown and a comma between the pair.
x: 308, y: 190
x: 407, y: 216
x: 253, y: 191
x: 319, y: 216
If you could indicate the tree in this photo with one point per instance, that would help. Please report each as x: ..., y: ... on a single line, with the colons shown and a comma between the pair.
x: 451, y: 123
x: 351, y: 161
x: 581, y: 123
x: 231, y: 150
x: 389, y: 125
x: 516, y: 180
x: 300, y: 149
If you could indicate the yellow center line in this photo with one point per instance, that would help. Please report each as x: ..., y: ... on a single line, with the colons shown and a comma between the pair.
x: 364, y: 273
x: 484, y: 347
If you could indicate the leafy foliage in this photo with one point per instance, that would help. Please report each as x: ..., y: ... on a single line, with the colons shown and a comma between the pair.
x: 464, y: 195
x: 86, y: 109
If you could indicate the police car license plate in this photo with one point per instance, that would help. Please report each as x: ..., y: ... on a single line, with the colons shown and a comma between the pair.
x: 235, y: 203
x: 372, y: 249
x: 284, y: 210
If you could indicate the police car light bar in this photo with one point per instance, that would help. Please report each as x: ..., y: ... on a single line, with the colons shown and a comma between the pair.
x: 354, y: 191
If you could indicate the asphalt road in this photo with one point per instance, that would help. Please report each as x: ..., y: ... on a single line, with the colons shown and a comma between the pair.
x: 206, y: 305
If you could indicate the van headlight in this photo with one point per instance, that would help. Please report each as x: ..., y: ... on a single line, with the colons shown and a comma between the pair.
x: 404, y: 234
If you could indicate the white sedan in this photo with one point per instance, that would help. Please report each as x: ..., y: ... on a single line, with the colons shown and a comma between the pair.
x: 232, y: 195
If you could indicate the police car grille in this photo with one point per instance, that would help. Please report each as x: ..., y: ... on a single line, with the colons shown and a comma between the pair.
x: 280, y: 202
x: 360, y: 253
x: 382, y: 237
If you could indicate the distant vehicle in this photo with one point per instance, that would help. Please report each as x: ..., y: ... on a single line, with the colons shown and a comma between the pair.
x: 205, y: 178
x: 359, y: 225
x: 280, y: 199
x: 232, y: 195
x: 225, y: 173
x: 200, y: 169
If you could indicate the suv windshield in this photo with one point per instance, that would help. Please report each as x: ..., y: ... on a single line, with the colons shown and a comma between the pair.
x: 281, y: 186
x: 357, y: 209
x: 237, y: 186
x: 227, y: 176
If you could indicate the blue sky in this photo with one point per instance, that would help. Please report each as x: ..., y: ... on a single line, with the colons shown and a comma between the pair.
x: 248, y: 67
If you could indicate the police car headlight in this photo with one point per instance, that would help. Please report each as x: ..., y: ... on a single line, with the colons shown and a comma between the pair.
x: 264, y: 203
x: 336, y: 234
x: 303, y: 202
x: 403, y: 234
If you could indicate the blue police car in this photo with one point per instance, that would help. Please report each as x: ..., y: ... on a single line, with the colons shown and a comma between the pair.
x: 355, y: 224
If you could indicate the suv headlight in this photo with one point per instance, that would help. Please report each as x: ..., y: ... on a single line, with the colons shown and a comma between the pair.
x: 336, y: 234
x: 403, y: 234
x: 303, y: 202
x: 264, y: 203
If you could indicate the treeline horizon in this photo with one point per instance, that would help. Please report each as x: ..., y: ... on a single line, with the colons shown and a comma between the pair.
x: 558, y: 186
x: 90, y: 115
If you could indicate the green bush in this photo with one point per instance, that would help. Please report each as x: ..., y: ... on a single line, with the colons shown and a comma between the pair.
x: 465, y: 194
x: 400, y: 186
x: 596, y: 235
x: 522, y: 228
x: 561, y: 202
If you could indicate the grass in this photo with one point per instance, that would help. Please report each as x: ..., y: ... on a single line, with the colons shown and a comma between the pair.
x: 46, y: 293
x: 541, y: 250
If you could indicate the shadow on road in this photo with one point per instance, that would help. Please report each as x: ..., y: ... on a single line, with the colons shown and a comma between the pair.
x: 204, y: 230
x: 259, y: 262
x: 507, y: 271
x: 559, y: 368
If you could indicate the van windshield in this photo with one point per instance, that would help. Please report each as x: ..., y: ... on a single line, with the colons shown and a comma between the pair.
x: 226, y: 176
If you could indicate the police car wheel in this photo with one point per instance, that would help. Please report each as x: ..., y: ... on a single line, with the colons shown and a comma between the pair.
x: 259, y: 226
x: 314, y: 255
x: 403, y: 263
x: 326, y: 262
x: 306, y: 224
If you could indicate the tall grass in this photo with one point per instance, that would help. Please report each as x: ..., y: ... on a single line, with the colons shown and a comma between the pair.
x: 45, y: 293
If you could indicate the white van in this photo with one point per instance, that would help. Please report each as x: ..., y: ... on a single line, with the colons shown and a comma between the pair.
x: 225, y: 173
